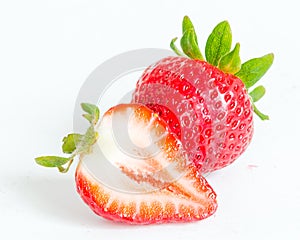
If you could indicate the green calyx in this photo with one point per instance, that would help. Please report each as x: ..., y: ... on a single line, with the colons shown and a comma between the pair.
x: 218, y: 53
x: 74, y: 143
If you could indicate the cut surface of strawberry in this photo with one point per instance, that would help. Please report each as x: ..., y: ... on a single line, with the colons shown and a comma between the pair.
x: 138, y: 173
x: 174, y: 203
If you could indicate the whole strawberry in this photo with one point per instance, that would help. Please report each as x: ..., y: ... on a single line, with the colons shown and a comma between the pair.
x: 208, y: 104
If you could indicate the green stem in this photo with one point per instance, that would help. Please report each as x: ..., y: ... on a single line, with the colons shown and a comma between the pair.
x: 64, y: 170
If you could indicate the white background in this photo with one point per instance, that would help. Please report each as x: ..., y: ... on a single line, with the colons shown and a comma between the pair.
x: 47, y: 50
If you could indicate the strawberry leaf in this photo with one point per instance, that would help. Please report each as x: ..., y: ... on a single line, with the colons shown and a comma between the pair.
x: 231, y: 62
x: 88, y: 117
x: 189, y: 42
x: 51, y: 161
x: 87, y: 140
x: 70, y: 142
x: 252, y: 70
x: 174, y: 48
x: 89, y: 108
x: 93, y: 112
x: 257, y: 93
x: 218, y: 43
x: 189, y: 45
x: 259, y: 113
x: 188, y: 25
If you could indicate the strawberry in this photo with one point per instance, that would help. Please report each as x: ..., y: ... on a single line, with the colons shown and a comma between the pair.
x: 208, y: 103
x: 133, y: 169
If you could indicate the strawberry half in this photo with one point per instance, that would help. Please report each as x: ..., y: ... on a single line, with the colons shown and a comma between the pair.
x: 132, y: 169
x: 206, y: 103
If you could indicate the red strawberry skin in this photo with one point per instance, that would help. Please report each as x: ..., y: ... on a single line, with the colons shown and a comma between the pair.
x: 147, y: 188
x: 209, y: 110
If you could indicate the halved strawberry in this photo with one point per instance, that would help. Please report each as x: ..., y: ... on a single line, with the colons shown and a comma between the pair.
x: 133, y: 169
x: 206, y: 102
